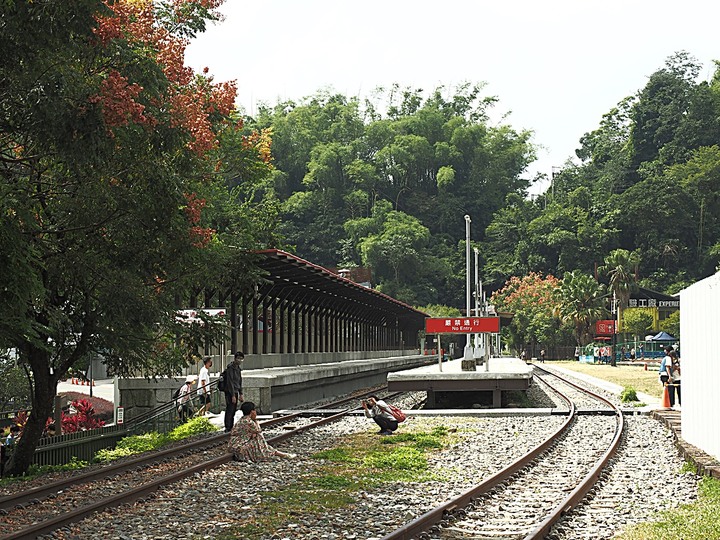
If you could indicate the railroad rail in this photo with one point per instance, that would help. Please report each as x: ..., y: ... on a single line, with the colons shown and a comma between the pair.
x: 520, y: 500
x: 25, y: 515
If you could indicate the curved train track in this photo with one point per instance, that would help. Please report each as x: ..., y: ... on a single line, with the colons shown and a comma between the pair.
x: 523, y: 500
x: 30, y: 513
x: 527, y: 497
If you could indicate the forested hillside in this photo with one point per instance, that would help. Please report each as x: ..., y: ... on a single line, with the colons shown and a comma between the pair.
x: 387, y: 187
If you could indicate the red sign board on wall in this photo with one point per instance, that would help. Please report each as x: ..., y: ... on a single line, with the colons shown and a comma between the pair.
x: 462, y: 325
x: 604, y: 328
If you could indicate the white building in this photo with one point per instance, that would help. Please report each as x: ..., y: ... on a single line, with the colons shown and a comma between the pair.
x: 700, y: 364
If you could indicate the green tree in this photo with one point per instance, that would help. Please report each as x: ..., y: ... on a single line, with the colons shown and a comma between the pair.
x: 14, y: 387
x: 661, y: 109
x: 637, y: 321
x: 427, y: 155
x: 621, y: 268
x: 396, y: 247
x: 581, y: 302
x: 106, y: 143
x: 671, y: 324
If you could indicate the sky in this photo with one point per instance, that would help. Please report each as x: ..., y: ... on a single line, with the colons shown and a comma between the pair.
x: 555, y: 66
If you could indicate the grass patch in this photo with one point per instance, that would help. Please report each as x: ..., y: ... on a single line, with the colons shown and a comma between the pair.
x: 634, y: 376
x: 39, y: 470
x: 698, y: 521
x: 137, y: 444
x: 363, y: 462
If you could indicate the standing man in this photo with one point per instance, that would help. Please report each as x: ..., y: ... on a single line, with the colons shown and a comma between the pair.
x: 204, y: 386
x: 233, y: 389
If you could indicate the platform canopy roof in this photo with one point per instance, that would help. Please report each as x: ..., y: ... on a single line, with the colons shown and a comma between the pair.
x: 314, y: 283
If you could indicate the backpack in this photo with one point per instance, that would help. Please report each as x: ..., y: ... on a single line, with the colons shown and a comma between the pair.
x: 176, y: 394
x: 397, y: 413
x: 221, y: 384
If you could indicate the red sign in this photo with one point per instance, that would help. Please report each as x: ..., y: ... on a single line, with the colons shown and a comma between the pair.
x: 462, y: 325
x: 605, y: 328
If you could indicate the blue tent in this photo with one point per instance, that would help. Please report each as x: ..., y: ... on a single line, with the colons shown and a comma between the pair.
x: 663, y: 336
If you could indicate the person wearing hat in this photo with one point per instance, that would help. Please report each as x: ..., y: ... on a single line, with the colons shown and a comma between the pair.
x: 184, y: 403
x: 233, y: 389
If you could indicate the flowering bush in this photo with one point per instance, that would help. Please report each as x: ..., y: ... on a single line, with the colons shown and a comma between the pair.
x: 83, y: 418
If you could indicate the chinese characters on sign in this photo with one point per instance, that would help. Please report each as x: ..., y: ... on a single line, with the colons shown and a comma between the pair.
x: 463, y: 325
x: 604, y: 328
x: 652, y: 302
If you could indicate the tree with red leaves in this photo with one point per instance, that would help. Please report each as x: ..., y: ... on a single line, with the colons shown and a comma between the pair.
x: 532, y: 300
x: 112, y: 156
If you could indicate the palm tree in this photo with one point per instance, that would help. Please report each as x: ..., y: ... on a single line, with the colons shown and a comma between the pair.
x: 621, y: 268
x: 581, y: 301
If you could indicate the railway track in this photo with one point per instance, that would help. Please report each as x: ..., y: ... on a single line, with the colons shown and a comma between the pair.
x: 527, y: 497
x: 537, y: 489
x: 41, y: 510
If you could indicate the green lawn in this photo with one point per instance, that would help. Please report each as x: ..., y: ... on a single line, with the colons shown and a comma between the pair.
x: 633, y: 376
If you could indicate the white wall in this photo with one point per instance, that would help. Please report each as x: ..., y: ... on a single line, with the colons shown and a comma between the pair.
x: 699, y: 350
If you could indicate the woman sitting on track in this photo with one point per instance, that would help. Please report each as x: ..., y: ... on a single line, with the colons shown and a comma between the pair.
x: 247, y: 442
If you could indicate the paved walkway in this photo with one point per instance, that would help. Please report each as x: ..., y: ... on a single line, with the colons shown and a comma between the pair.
x: 104, y: 388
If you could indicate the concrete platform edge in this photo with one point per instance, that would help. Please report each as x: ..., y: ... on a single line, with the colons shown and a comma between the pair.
x: 704, y: 463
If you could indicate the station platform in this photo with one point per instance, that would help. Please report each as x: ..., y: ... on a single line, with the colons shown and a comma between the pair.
x: 283, y: 387
x: 497, y: 376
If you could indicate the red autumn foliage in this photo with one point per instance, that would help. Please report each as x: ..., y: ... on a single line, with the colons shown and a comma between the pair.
x: 191, y: 100
x: 199, y: 236
x: 194, y: 208
x: 117, y: 99
x: 528, y: 290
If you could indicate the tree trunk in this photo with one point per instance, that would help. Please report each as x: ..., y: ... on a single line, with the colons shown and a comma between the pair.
x: 43, y: 394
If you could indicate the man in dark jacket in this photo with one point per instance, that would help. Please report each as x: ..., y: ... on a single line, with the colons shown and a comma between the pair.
x: 233, y: 389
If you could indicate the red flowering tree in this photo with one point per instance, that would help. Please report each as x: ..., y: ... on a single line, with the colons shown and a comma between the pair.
x: 112, y: 157
x: 532, y: 301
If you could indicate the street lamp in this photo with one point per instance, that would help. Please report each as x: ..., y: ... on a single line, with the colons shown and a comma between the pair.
x: 468, y: 353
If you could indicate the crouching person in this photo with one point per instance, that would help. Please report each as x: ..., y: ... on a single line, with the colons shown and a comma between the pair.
x: 379, y: 411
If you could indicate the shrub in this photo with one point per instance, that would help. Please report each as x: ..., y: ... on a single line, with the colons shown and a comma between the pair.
x: 628, y: 394
x: 153, y: 440
x: 104, y: 409
x: 194, y: 426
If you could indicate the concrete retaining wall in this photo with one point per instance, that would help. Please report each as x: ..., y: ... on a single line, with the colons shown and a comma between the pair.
x: 278, y: 383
